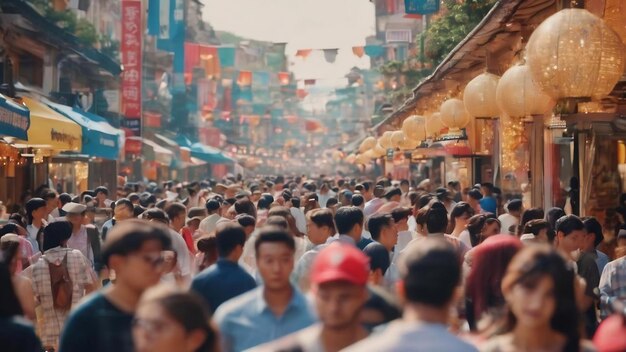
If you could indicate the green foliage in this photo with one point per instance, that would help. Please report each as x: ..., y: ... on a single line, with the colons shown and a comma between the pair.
x: 445, y: 32
x: 81, y: 28
x: 86, y: 32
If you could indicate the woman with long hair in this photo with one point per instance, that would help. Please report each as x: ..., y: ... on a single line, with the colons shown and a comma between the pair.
x: 172, y: 320
x: 539, y: 289
x: 479, y: 228
x: 23, y: 286
x: 528, y: 215
x: 459, y: 216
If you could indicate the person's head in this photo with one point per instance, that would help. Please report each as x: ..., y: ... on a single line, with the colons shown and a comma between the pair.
x: 489, y: 263
x: 133, y: 248
x: 404, y: 185
x: 436, y: 218
x: 515, y: 208
x: 540, y: 229
x: 64, y: 198
x: 171, y: 320
x: 473, y: 196
x: 247, y: 222
x: 594, y: 235
x: 379, y: 263
x: 156, y: 215
x: 358, y: 201
x: 570, y: 232
x: 401, y: 218
x: 10, y: 305
x: 430, y: 274
x: 10, y: 250
x: 393, y: 194
x: 339, y: 277
x: 486, y: 189
x: 214, y: 206
x: 102, y: 193
x: 539, y: 290
x: 36, y: 209
x: 320, y: 225
x: 333, y: 204
x: 56, y: 234
x: 52, y: 200
x: 528, y: 215
x: 553, y: 215
x: 275, y: 249
x: 349, y: 221
x: 245, y: 206
x: 75, y: 213
x: 124, y: 209
x: 460, y: 215
x: 208, y: 247
x: 265, y: 201
x: 177, y: 213
x: 382, y: 229
x: 230, y: 240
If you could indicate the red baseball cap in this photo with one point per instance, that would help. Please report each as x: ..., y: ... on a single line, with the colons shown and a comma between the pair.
x: 610, y: 335
x: 340, y: 262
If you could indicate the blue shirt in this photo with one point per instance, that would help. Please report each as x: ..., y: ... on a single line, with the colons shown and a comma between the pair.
x: 221, y: 282
x: 489, y: 205
x: 247, y: 321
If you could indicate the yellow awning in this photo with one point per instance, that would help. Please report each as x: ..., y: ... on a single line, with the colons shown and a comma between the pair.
x: 51, y: 130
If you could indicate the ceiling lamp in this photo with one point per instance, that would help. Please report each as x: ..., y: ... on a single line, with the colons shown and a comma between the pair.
x: 454, y: 115
x: 433, y: 125
x: 385, y: 140
x: 518, y: 95
x: 414, y: 128
x: 574, y: 54
x: 367, y: 144
x: 479, y: 96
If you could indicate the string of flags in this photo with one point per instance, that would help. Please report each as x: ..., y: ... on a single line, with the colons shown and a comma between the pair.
x: 372, y: 50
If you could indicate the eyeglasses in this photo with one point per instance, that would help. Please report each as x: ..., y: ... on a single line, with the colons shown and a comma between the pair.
x: 154, y: 259
x: 150, y: 326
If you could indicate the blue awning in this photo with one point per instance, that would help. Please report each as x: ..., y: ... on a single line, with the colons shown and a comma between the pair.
x: 209, y: 154
x: 100, y: 139
x: 14, y: 119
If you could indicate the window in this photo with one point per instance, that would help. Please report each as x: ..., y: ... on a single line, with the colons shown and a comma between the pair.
x: 398, y: 36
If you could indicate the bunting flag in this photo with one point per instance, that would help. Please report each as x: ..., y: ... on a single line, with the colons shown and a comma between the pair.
x: 283, y: 78
x: 309, y: 82
x: 226, y: 56
x: 301, y: 93
x: 330, y: 55
x: 359, y: 51
x: 303, y: 53
x: 260, y: 79
x: 374, y: 51
x: 244, y: 78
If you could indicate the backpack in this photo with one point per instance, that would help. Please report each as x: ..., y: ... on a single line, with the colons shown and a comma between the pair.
x: 61, y: 284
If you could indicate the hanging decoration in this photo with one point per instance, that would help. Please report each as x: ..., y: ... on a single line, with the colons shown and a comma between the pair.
x: 414, y: 128
x: 283, y: 78
x: 303, y: 53
x: 574, y: 54
x: 396, y: 139
x: 518, y: 95
x: 245, y: 78
x: 433, y: 125
x: 301, y: 93
x: 454, y: 115
x: 378, y: 150
x: 479, y: 96
x: 359, y: 51
x: 385, y: 140
x: 330, y: 55
x: 367, y: 144
x: 309, y: 82
x: 226, y: 55
x: 374, y: 51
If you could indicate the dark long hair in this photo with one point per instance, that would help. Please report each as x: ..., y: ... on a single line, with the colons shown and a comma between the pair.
x: 10, y: 305
x: 460, y: 209
x: 528, y: 215
x: 527, y: 268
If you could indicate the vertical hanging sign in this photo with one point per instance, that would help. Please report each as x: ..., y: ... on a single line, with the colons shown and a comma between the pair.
x: 132, y: 37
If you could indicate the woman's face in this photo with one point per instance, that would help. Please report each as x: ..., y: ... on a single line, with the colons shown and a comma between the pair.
x: 155, y: 331
x: 461, y: 221
x: 491, y: 229
x: 533, y: 305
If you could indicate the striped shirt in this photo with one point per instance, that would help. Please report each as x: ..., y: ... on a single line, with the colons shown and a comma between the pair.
x: 612, y: 284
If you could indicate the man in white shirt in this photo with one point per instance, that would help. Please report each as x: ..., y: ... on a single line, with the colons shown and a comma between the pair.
x: 510, y: 220
x: 214, y: 208
x: 376, y: 202
x: 401, y: 219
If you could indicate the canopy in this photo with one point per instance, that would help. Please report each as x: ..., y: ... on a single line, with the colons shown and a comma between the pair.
x: 100, y: 139
x: 14, y: 119
x: 51, y: 130
x: 209, y: 154
x: 155, y: 152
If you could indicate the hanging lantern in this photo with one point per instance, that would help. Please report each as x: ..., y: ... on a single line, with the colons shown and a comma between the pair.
x: 413, y: 127
x: 350, y: 159
x: 361, y: 159
x: 574, y: 54
x: 370, y: 155
x: 396, y: 139
x: 409, y: 144
x: 379, y: 151
x: 479, y: 96
x: 385, y: 140
x: 434, y: 125
x: 454, y: 115
x: 367, y: 144
x: 284, y: 78
x: 518, y: 95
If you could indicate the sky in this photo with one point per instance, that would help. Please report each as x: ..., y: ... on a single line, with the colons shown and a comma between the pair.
x: 302, y: 24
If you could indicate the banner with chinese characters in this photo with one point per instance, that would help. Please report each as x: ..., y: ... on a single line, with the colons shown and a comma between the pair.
x: 131, y: 48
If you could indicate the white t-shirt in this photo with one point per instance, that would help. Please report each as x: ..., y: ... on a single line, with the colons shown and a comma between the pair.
x: 298, y: 215
x: 508, y: 220
x: 183, y: 257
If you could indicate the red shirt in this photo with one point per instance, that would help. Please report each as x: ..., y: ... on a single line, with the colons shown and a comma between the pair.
x: 188, y: 237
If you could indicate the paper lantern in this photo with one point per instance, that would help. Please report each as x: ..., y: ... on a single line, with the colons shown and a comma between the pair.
x: 409, y: 144
x: 350, y: 159
x: 574, y: 54
x: 385, y: 140
x: 367, y: 144
x: 379, y: 151
x: 284, y: 78
x: 396, y: 139
x: 433, y: 125
x: 518, y: 95
x: 454, y: 115
x: 479, y: 96
x: 414, y: 127
x: 362, y: 159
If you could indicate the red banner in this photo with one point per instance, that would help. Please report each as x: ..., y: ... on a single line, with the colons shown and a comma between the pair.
x: 131, y: 48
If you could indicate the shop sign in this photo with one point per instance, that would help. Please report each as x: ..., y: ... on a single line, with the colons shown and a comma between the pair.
x: 133, y: 146
x: 62, y: 137
x: 14, y: 123
x: 422, y: 7
x: 131, y: 48
x: 390, y: 153
x: 152, y: 119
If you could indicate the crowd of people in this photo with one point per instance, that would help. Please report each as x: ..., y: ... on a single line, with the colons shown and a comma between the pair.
x: 297, y: 264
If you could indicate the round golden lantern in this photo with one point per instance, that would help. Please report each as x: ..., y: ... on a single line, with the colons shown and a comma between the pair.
x: 362, y: 159
x: 479, y: 96
x: 574, y: 54
x: 433, y: 125
x: 396, y: 139
x: 409, y: 144
x: 413, y: 127
x: 385, y: 140
x: 379, y: 151
x: 370, y: 154
x: 367, y: 144
x: 519, y: 95
x: 350, y: 159
x: 454, y: 115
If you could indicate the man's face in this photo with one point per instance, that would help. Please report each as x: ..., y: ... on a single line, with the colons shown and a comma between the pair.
x: 122, y: 212
x: 75, y: 219
x: 571, y: 242
x: 389, y: 236
x: 101, y: 196
x: 51, y: 204
x: 404, y: 187
x: 40, y: 213
x: 143, y: 268
x: 339, y: 303
x: 275, y: 263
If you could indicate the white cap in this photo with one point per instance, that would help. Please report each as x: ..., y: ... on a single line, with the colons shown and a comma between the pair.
x: 10, y: 237
x: 74, y: 208
x: 527, y: 237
